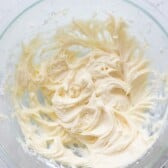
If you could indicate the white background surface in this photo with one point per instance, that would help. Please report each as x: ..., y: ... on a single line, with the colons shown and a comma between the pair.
x: 10, y: 8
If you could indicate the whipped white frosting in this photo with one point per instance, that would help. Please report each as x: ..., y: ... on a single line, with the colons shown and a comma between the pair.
x: 88, y: 86
x: 2, y: 117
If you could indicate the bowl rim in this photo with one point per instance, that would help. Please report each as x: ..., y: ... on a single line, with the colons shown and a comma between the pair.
x: 153, y: 15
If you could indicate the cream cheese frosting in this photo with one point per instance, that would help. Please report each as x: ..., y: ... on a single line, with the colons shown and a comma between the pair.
x: 81, y: 97
x: 2, y: 117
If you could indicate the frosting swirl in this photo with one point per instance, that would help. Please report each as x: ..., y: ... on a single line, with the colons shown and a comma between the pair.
x: 91, y: 91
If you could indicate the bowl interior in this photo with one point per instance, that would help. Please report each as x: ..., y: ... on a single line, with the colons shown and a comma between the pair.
x: 44, y: 16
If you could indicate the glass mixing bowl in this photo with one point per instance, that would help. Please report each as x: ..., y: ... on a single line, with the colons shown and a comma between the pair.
x: 144, y: 22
